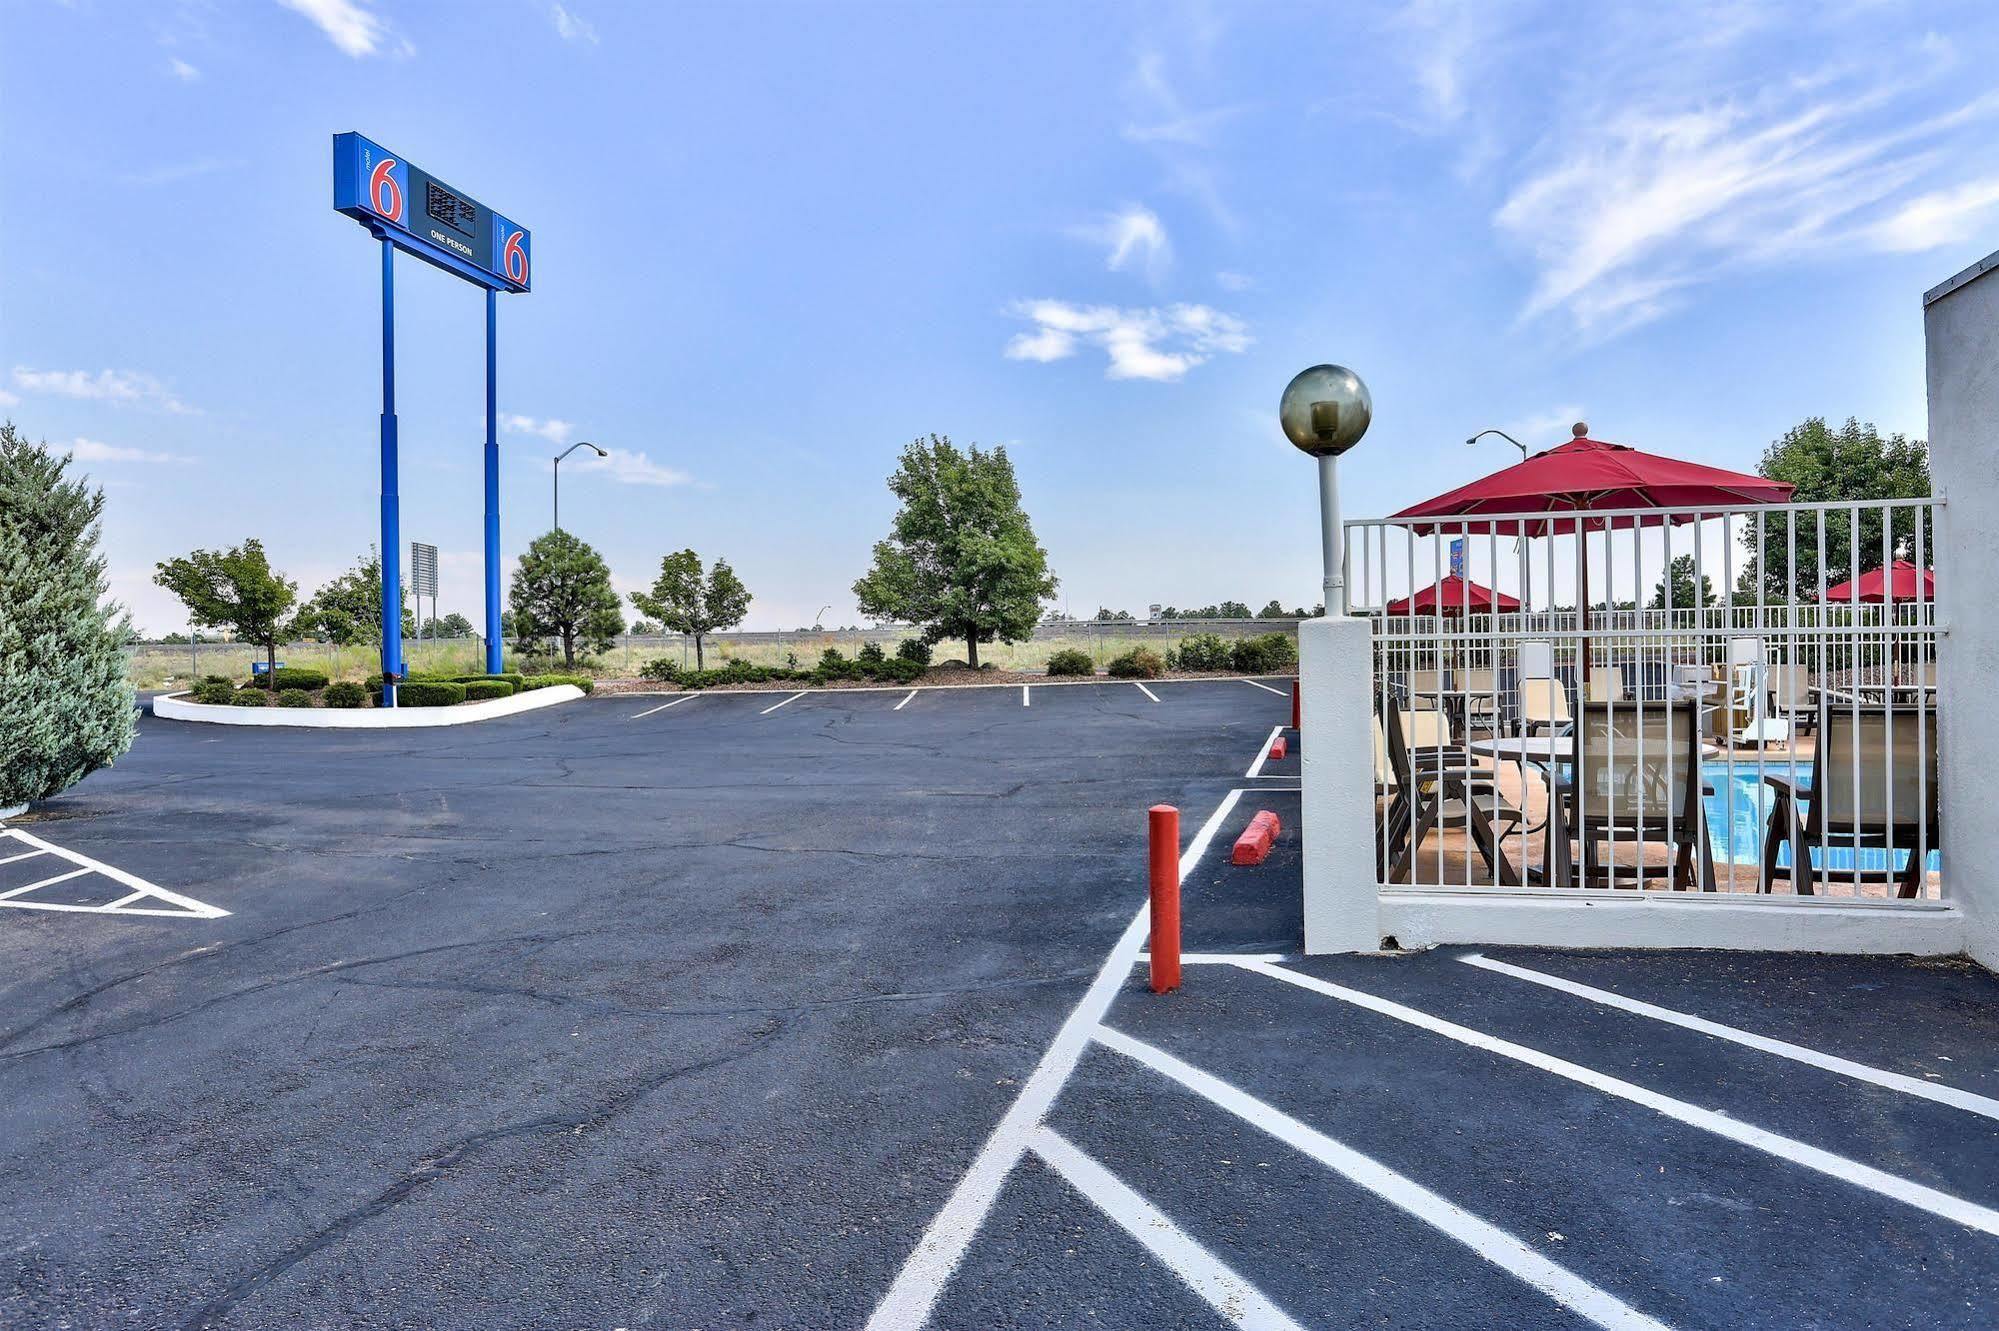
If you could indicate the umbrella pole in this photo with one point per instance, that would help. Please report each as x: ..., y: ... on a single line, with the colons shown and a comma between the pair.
x: 1582, y: 645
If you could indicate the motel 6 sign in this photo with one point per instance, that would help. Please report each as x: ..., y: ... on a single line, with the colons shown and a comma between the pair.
x: 423, y: 216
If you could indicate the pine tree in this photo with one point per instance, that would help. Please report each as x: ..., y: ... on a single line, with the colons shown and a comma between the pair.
x: 66, y: 708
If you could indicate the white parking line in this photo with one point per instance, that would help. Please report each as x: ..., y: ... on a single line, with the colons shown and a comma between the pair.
x: 1495, y: 1245
x: 1262, y: 754
x: 1023, y: 695
x: 46, y: 882
x: 1266, y: 688
x: 1894, y: 1081
x: 904, y: 703
x: 1969, y: 1214
x: 1200, y: 1270
x: 1147, y: 692
x: 24, y: 855
x: 774, y: 706
x: 689, y: 697
x: 929, y: 1267
x: 189, y: 908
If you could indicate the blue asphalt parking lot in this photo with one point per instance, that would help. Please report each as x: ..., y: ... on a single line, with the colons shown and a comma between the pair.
x: 727, y: 1013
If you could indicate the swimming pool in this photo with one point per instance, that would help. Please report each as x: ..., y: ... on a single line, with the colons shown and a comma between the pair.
x: 1738, y: 814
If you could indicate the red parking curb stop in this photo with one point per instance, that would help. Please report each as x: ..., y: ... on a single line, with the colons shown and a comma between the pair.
x: 1278, y: 748
x: 1297, y: 704
x: 1253, y: 846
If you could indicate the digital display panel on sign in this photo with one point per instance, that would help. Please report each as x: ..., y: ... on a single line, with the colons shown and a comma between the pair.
x: 428, y: 218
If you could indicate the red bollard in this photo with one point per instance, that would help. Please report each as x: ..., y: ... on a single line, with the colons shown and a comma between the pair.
x: 1297, y: 706
x: 1163, y: 823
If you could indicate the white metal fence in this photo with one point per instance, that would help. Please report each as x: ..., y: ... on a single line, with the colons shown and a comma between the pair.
x: 1683, y: 699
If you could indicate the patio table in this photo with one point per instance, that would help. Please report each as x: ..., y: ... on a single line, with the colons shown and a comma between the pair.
x: 1543, y: 752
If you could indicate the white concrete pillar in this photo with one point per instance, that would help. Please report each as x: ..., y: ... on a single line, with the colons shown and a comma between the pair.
x: 1342, y: 898
x: 1961, y: 330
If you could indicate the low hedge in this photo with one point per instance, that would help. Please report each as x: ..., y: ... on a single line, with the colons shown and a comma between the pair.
x: 291, y: 677
x: 1264, y: 655
x: 294, y: 698
x: 483, y: 690
x: 1071, y: 661
x: 426, y: 693
x: 913, y: 649
x: 511, y: 677
x: 583, y: 682
x: 344, y: 694
x: 1204, y: 651
x: 215, y: 690
x: 251, y: 698
x: 1138, y: 663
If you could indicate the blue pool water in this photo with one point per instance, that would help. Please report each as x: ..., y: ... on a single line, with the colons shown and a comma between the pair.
x: 1738, y: 813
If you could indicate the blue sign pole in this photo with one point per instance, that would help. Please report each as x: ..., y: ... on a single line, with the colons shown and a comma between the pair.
x: 495, y: 645
x: 392, y: 548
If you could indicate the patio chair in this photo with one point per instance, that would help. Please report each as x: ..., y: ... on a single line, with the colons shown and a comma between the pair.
x: 1606, y: 685
x: 1544, y: 706
x: 1421, y: 689
x: 1439, y: 789
x: 1749, y: 719
x: 1892, y: 807
x: 1534, y: 660
x: 1477, y: 695
x: 1791, y: 691
x: 1637, y: 779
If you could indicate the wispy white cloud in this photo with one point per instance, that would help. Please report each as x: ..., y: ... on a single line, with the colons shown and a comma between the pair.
x: 1233, y: 281
x: 1180, y: 134
x: 1133, y: 239
x: 125, y: 387
x: 632, y: 468
x: 173, y: 173
x: 1652, y: 151
x: 571, y: 26
x: 1941, y: 217
x: 554, y: 431
x: 1542, y: 429
x: 1157, y: 344
x: 352, y: 26
x: 90, y: 450
x: 8, y: 399
x: 182, y: 70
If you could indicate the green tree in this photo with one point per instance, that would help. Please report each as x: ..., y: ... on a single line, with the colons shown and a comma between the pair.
x: 562, y: 590
x: 453, y: 625
x: 65, y: 704
x: 1681, y: 572
x: 1851, y: 463
x: 961, y: 560
x: 234, y: 589
x: 1106, y: 615
x: 348, y: 609
x: 1273, y: 609
x: 686, y: 602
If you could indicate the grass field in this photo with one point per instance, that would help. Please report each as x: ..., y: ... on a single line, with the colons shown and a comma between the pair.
x: 176, y: 665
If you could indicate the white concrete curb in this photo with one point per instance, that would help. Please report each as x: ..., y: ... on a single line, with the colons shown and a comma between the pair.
x: 174, y: 707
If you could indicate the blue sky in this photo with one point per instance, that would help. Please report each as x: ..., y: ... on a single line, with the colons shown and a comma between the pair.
x: 774, y: 243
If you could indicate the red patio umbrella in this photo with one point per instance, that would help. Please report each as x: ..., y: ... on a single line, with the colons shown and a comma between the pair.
x: 1588, y: 475
x: 1898, y: 582
x: 1453, y: 596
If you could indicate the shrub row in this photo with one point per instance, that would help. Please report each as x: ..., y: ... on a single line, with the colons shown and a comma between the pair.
x: 871, y: 663
x: 1262, y: 655
x: 291, y: 677
x: 1071, y: 661
x: 344, y: 694
x: 1138, y: 663
x: 583, y: 682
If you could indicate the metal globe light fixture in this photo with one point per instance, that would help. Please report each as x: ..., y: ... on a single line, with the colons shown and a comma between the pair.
x: 1324, y: 411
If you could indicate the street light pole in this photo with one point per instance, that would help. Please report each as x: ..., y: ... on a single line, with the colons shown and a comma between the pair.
x: 1324, y: 411
x: 1519, y: 541
x: 581, y: 443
